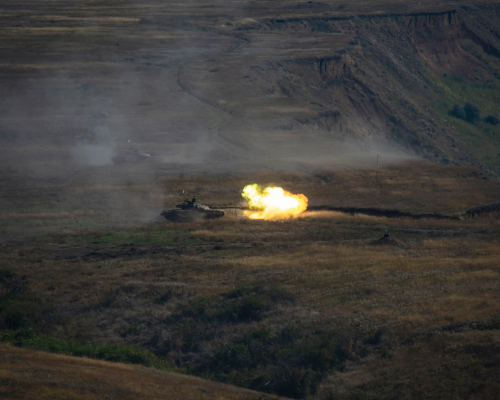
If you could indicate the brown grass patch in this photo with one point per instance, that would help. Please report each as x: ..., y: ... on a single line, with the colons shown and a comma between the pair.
x: 29, y: 374
x: 45, y: 215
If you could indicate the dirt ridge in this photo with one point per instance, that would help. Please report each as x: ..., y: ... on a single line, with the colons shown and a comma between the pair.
x: 482, y: 209
x: 448, y: 12
x: 394, y: 213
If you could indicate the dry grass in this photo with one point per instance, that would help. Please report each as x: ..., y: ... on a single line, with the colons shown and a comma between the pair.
x: 45, y: 215
x: 414, y: 187
x: 28, y: 374
x: 116, y: 286
x: 213, y: 236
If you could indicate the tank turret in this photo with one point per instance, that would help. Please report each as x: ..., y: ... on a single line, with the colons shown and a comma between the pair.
x: 191, y: 210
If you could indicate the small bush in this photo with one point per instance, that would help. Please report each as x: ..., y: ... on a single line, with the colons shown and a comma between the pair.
x: 294, y: 382
x: 457, y: 111
x: 19, y: 308
x: 469, y: 112
x: 17, y: 319
x: 11, y: 284
x: 236, y: 357
x: 375, y: 339
x: 248, y: 304
x: 280, y: 295
x: 236, y: 293
x: 249, y: 308
x: 472, y: 112
x: 238, y: 306
x: 195, y: 307
x: 164, y: 298
x: 492, y: 120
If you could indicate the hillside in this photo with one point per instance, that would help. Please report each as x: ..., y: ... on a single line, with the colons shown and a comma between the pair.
x: 29, y: 374
x: 250, y: 83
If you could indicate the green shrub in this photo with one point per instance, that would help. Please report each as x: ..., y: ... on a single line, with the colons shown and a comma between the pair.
x: 295, y: 383
x: 492, y: 120
x: 375, y: 338
x: 18, y: 308
x: 238, y: 306
x: 249, y: 308
x: 291, y: 367
x: 457, y: 111
x: 164, y: 298
x: 196, y: 307
x: 109, y: 352
x: 17, y: 319
x: 472, y: 112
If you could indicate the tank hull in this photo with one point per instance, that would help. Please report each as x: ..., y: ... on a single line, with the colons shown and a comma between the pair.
x: 191, y: 215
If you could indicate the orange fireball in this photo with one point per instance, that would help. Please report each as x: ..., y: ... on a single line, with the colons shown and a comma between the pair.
x: 273, y: 202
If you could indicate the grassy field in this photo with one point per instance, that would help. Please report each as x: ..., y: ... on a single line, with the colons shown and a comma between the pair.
x: 316, y: 307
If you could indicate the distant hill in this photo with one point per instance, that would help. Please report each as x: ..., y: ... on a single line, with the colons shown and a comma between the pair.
x: 257, y: 82
x: 378, y: 80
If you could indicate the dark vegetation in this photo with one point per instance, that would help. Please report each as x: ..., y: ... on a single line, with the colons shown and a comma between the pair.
x: 471, y: 113
x: 111, y: 352
x: 457, y: 111
x: 289, y: 362
x: 18, y: 307
x: 492, y: 120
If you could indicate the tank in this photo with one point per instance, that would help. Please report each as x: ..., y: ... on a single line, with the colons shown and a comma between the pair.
x: 191, y: 210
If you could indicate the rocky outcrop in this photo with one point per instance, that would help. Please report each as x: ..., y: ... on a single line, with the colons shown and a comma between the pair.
x: 336, y: 67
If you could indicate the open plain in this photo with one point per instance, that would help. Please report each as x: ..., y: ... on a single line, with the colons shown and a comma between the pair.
x: 112, y: 111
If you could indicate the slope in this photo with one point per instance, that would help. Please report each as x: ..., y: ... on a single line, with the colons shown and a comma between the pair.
x: 29, y: 374
x: 240, y: 83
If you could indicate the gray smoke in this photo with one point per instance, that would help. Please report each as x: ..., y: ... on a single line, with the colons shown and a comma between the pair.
x: 96, y: 148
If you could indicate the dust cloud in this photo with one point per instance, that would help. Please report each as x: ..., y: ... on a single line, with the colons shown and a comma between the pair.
x: 90, y: 122
x: 97, y: 148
